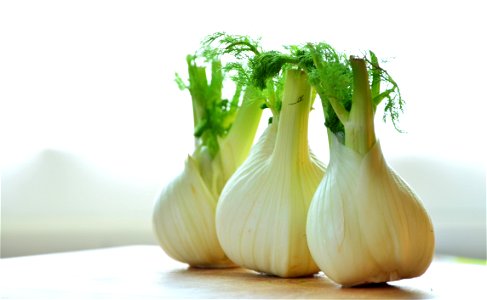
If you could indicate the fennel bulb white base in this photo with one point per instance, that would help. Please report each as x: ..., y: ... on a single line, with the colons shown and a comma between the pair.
x: 184, y: 221
x: 261, y: 215
x: 365, y: 225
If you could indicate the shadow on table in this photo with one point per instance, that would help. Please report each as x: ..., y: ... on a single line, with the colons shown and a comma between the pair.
x: 242, y: 283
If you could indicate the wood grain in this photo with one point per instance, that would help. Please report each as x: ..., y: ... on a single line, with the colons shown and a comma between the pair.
x: 145, y: 272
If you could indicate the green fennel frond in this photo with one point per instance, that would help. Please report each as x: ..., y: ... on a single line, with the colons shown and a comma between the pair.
x: 268, y: 65
x: 253, y: 66
x: 330, y: 74
x: 236, y: 50
x: 240, y: 46
x: 394, y: 103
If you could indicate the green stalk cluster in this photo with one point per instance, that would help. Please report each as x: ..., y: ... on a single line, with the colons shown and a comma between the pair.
x: 341, y: 82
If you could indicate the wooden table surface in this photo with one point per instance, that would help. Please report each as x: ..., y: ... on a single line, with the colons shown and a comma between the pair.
x: 145, y: 272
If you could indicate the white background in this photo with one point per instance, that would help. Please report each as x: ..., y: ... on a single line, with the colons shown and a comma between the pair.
x: 93, y: 125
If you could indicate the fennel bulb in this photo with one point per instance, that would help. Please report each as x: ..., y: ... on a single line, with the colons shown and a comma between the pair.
x: 365, y: 224
x: 261, y: 214
x: 184, y: 220
x: 184, y: 213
